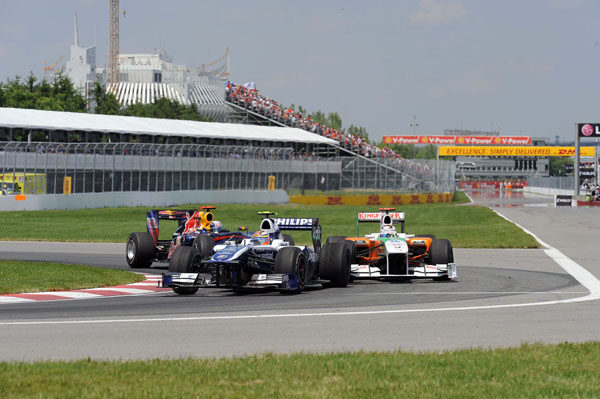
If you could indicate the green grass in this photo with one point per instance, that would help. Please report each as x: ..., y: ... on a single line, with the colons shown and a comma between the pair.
x: 465, y: 226
x: 531, y: 371
x: 23, y: 276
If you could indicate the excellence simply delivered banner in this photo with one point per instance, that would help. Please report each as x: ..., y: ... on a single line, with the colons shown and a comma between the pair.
x: 516, y: 151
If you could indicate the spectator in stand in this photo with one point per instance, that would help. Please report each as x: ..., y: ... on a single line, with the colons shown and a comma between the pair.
x: 248, y: 97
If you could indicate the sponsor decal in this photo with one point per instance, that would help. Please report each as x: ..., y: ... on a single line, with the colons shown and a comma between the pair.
x: 376, y: 216
x: 396, y: 244
x: 335, y: 200
x: 293, y: 222
x: 563, y: 200
x: 536, y: 151
x: 397, y: 200
x: 588, y: 129
x: 415, y: 199
x: 373, y: 200
x: 459, y: 140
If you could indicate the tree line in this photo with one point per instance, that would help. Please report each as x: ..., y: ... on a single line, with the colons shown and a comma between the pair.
x: 60, y: 94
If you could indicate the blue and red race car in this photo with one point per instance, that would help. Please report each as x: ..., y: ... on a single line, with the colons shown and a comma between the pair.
x: 197, y: 228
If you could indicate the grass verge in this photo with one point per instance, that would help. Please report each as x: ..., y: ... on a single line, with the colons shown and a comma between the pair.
x: 23, y: 276
x: 531, y: 371
x: 465, y: 226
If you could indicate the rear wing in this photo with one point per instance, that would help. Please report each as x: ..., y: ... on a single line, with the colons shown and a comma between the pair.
x: 302, y: 224
x: 154, y: 216
x: 365, y: 217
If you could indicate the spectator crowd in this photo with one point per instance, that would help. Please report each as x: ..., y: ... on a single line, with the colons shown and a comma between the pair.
x: 248, y: 97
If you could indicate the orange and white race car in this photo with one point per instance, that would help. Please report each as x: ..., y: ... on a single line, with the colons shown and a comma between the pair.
x: 390, y: 253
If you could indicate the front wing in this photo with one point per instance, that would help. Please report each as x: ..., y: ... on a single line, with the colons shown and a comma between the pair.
x: 280, y: 282
x: 449, y: 271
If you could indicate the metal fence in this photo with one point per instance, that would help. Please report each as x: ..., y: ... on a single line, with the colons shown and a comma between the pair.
x: 559, y: 182
x: 108, y: 167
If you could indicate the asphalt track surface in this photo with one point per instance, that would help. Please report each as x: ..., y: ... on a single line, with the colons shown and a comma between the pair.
x: 502, y: 298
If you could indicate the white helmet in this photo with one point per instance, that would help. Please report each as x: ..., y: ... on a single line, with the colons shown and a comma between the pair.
x: 388, y: 230
x: 215, y: 225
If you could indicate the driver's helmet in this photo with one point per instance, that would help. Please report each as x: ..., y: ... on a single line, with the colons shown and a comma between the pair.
x: 216, y: 226
x: 388, y: 230
x: 260, y: 237
x: 4, y: 186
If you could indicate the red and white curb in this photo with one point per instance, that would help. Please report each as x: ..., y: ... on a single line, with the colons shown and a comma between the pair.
x: 148, y: 286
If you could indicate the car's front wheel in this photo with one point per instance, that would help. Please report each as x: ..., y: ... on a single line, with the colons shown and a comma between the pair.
x: 291, y: 260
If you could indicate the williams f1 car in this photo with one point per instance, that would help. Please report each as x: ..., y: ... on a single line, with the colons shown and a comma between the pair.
x: 267, y: 260
x: 196, y: 228
x: 389, y: 253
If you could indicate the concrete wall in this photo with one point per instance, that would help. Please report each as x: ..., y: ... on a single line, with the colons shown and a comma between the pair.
x: 547, y: 191
x: 161, y: 198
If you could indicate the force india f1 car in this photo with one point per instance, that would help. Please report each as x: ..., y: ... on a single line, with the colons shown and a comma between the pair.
x: 197, y: 228
x: 267, y: 260
x: 389, y: 253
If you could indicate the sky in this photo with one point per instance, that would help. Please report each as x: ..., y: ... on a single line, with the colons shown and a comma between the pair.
x: 520, y: 67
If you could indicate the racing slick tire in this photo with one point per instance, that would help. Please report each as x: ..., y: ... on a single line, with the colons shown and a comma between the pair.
x: 335, y: 262
x: 185, y: 290
x: 334, y: 239
x: 139, y: 250
x: 204, y: 245
x: 182, y: 260
x: 291, y: 260
x: 440, y: 252
x: 289, y: 239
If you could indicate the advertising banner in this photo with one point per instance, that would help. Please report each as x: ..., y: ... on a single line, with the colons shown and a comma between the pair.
x: 487, y: 151
x: 588, y: 130
x: 459, y: 140
x: 563, y: 200
x: 67, y: 185
x: 271, y: 183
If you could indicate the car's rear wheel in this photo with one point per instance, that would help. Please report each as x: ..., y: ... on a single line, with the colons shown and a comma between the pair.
x: 204, y: 244
x: 139, y: 250
x: 335, y: 262
x: 291, y: 260
x: 289, y: 239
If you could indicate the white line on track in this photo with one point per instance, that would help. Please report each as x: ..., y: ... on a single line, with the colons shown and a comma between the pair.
x: 585, y: 278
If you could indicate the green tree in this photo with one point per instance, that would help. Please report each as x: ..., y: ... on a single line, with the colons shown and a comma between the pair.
x: 319, y: 117
x: 334, y: 121
x: 59, y: 95
x: 557, y: 166
x: 166, y: 109
x: 106, y: 103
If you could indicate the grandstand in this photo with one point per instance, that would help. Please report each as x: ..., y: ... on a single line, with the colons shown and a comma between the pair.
x: 18, y: 124
x: 121, y: 153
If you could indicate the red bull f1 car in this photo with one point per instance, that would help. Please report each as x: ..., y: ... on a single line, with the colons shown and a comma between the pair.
x: 266, y: 260
x: 390, y: 254
x: 196, y: 228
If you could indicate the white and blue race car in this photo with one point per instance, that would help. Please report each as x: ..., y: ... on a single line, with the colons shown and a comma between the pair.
x: 267, y: 260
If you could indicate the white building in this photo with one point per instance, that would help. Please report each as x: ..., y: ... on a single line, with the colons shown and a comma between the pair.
x: 146, y: 77
x: 81, y: 64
